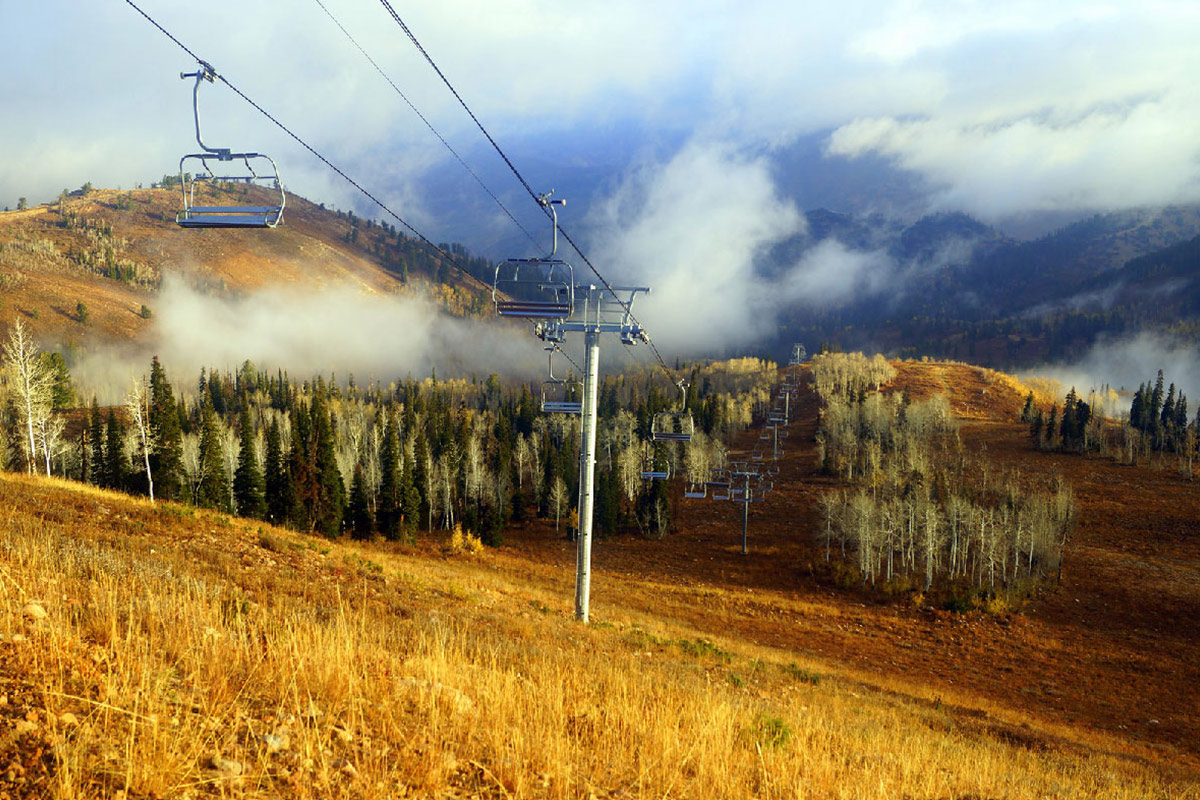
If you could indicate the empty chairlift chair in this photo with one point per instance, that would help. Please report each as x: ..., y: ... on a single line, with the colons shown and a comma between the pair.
x: 220, y: 165
x: 651, y: 471
x: 560, y: 396
x: 536, y: 288
x: 673, y: 426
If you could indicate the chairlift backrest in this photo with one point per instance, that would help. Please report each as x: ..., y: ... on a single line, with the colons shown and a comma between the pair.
x: 219, y: 165
x: 534, y: 288
x: 696, y: 491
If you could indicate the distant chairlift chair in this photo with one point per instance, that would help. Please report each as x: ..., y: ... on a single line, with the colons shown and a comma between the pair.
x: 557, y: 393
x: 222, y: 158
x: 673, y: 426
x: 651, y: 471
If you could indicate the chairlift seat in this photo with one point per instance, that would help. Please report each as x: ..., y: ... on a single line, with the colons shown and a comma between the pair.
x: 561, y: 407
x: 696, y: 491
x: 229, y: 217
x: 672, y: 426
x: 655, y: 474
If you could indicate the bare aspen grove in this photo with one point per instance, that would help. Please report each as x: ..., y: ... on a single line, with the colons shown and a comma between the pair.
x: 920, y: 512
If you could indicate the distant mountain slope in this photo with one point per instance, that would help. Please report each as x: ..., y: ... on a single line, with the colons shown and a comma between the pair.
x: 961, y: 289
x: 93, y: 266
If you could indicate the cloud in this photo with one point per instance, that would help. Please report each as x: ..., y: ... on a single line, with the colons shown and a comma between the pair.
x: 1127, y: 362
x: 1071, y: 106
x: 694, y: 229
x: 832, y: 274
x: 338, y: 330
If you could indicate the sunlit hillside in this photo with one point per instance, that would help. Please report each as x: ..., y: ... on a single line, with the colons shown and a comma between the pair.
x: 164, y: 651
x: 90, y: 265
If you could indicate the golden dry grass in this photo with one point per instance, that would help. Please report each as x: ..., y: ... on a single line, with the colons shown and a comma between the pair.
x: 183, y: 641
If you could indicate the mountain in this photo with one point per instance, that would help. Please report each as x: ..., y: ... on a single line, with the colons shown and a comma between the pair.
x: 962, y: 289
x: 91, y: 264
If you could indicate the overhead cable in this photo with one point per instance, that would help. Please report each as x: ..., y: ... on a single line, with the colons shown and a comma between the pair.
x: 447, y: 256
x: 428, y: 124
x: 534, y: 195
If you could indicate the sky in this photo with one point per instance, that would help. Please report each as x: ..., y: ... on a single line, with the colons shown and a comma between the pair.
x: 669, y: 119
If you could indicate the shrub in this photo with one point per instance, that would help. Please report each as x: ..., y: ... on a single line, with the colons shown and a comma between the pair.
x: 464, y: 542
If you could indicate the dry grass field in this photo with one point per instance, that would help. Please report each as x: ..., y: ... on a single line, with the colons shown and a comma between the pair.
x: 187, y: 654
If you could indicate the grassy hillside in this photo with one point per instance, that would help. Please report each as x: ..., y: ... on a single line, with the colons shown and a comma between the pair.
x: 111, y: 250
x: 185, y: 653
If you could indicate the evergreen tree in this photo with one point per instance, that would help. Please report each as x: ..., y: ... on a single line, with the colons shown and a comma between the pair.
x: 213, y: 488
x: 248, y: 485
x: 1027, y: 412
x: 116, y: 464
x: 1166, y: 417
x: 421, y: 480
x: 358, y: 511
x: 391, y: 459
x: 280, y: 494
x: 166, y: 457
x: 1035, y: 428
x: 1137, y: 410
x: 331, y: 489
x: 99, y: 464
x: 1155, y: 409
x: 410, y: 496
x: 301, y: 469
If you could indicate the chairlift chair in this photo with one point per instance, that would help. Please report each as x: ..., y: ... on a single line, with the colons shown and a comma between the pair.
x: 696, y: 491
x: 674, y: 426
x: 218, y: 165
x: 536, y: 288
x: 557, y: 392
x: 651, y: 472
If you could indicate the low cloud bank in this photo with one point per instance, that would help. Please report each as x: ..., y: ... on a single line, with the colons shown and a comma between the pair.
x: 1127, y: 363
x: 339, y: 330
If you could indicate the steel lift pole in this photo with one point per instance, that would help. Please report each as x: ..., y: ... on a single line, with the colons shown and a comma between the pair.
x: 587, y: 473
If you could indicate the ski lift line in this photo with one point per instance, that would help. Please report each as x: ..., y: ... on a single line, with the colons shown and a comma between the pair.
x: 512, y: 167
x: 428, y: 124
x: 447, y: 256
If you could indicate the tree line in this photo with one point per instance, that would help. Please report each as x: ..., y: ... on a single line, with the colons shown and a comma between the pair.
x: 1156, y: 424
x: 390, y: 461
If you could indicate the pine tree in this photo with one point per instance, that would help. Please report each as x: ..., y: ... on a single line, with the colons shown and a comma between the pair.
x: 1137, y: 410
x: 301, y: 469
x: 99, y: 462
x: 116, y: 465
x: 1027, y: 412
x: 280, y: 494
x: 166, y: 457
x: 248, y: 485
x: 331, y: 489
x: 391, y: 459
x: 213, y: 489
x: 410, y: 496
x: 421, y: 481
x: 358, y: 511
